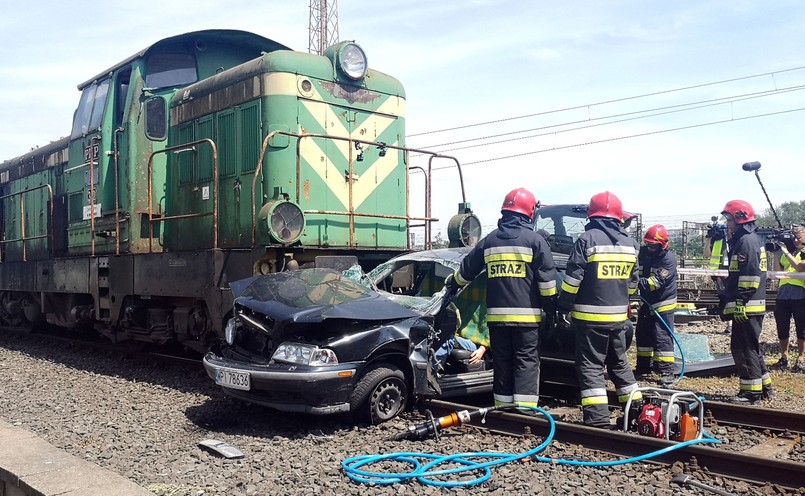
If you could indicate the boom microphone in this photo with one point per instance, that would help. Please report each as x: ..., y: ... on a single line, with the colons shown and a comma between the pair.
x: 751, y: 166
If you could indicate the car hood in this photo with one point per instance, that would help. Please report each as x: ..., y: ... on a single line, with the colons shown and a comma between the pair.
x: 314, y: 295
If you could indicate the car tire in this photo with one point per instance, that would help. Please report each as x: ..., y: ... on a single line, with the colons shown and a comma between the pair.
x: 380, y: 395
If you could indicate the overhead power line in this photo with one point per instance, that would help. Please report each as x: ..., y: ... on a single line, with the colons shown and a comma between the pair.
x: 616, y: 100
x: 682, y: 107
x: 688, y: 107
x: 617, y: 138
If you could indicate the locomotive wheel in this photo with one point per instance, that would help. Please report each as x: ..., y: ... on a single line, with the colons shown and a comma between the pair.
x: 380, y: 395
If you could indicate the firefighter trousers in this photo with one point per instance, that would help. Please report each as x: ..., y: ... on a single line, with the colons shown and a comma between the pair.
x: 515, y: 356
x: 745, y: 346
x: 596, y: 349
x: 655, y: 346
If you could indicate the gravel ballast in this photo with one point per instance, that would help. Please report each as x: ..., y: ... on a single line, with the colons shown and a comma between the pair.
x: 143, y: 420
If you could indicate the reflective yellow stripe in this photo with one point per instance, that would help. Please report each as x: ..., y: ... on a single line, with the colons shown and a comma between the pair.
x: 570, y: 289
x: 505, y: 257
x: 599, y: 317
x: 652, y: 283
x: 625, y: 397
x: 611, y: 257
x: 660, y: 358
x: 751, y: 285
x: 594, y: 400
x: 522, y: 319
x: 648, y: 354
x: 667, y: 308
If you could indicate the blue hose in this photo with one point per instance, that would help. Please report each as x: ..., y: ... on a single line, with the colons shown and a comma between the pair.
x: 671, y: 332
x: 426, y: 472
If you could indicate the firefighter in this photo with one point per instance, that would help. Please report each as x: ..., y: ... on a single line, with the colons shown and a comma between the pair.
x: 521, y: 290
x: 601, y: 275
x: 657, y: 286
x: 745, y: 297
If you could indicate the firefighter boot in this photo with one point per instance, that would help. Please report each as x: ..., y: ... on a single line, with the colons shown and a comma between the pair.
x: 746, y: 398
x: 767, y: 393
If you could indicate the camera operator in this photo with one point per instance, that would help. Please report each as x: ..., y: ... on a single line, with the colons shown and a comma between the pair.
x: 791, y: 299
x: 716, y: 251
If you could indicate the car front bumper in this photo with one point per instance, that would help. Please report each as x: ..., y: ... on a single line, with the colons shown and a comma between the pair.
x: 288, y: 387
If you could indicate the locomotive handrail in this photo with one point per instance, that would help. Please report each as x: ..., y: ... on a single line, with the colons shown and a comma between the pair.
x: 214, y: 213
x: 351, y: 212
x: 97, y: 138
x: 23, y: 238
x: 117, y: 190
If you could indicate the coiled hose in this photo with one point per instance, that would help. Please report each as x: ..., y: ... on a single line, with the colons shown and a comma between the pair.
x: 425, y: 466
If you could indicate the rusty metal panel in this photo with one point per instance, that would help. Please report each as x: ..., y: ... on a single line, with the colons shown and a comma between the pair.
x: 185, y: 274
x: 18, y: 276
x: 70, y: 275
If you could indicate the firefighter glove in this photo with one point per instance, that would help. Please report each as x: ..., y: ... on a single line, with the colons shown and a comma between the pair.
x: 450, y: 284
x: 563, y: 320
x: 739, y: 314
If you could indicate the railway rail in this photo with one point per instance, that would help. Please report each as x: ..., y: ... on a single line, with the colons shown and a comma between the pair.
x: 740, y: 466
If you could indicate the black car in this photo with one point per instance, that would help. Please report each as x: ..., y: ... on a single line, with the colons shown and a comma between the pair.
x: 320, y: 341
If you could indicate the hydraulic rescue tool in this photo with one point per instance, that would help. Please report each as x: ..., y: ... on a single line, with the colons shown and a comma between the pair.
x: 434, y: 426
x: 664, y: 414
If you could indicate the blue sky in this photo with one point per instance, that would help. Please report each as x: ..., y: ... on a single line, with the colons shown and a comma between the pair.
x: 477, y: 61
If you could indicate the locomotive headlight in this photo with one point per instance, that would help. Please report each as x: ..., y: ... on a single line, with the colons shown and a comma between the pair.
x: 285, y: 220
x: 304, y: 354
x: 352, y: 61
x: 464, y: 229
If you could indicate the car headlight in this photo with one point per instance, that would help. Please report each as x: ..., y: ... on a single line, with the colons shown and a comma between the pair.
x: 304, y: 354
x: 231, y: 330
x: 352, y: 60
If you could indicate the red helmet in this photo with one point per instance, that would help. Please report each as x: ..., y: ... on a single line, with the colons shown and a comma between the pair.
x: 520, y: 200
x: 740, y: 210
x: 657, y: 234
x: 605, y: 205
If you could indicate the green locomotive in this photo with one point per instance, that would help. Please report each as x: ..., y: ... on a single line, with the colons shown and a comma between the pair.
x: 205, y: 158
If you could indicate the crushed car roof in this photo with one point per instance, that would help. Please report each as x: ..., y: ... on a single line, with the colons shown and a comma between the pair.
x: 313, y: 295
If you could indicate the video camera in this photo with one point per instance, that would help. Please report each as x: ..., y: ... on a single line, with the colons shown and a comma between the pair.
x: 785, y: 236
x: 717, y: 230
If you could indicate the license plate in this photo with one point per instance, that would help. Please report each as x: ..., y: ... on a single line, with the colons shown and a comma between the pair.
x: 233, y: 379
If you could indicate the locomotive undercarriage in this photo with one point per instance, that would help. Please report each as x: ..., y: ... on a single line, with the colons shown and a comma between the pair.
x: 159, y: 298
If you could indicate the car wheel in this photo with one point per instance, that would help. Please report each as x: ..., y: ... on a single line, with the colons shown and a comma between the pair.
x: 380, y: 395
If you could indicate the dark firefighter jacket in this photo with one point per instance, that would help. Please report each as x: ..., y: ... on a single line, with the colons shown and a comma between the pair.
x: 601, y: 274
x: 657, y: 282
x: 746, y: 278
x: 520, y: 272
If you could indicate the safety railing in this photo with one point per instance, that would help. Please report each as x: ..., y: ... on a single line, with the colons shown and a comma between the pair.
x: 185, y: 147
x: 351, y: 213
x: 23, y: 238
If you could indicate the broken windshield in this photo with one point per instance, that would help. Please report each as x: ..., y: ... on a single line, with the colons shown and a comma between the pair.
x: 306, y: 288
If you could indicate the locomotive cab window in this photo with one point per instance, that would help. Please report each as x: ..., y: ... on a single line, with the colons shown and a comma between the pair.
x: 156, y: 118
x: 90, y: 109
x: 170, y: 69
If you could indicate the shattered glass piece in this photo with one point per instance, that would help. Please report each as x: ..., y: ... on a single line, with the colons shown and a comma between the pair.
x: 354, y: 273
x: 695, y: 346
